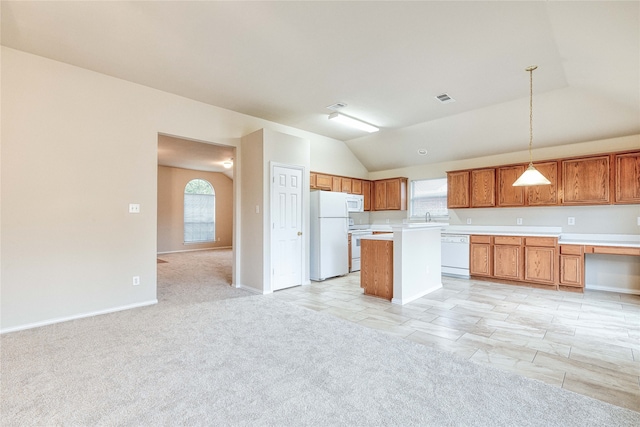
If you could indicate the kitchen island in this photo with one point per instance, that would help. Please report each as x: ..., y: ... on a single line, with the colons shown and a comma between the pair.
x: 403, y: 265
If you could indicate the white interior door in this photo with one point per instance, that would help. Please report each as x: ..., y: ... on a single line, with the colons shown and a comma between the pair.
x: 286, y: 232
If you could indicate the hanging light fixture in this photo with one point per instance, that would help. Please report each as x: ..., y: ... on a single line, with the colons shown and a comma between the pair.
x: 531, y: 176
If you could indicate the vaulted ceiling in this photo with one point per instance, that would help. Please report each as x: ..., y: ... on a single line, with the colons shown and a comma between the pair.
x: 287, y: 61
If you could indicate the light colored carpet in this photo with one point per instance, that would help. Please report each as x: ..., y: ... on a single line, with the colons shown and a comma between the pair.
x: 255, y: 360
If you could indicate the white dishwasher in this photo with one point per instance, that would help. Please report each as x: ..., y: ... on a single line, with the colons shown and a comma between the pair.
x: 455, y: 255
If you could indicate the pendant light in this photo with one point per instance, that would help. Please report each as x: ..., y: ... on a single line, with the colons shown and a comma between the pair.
x: 531, y: 176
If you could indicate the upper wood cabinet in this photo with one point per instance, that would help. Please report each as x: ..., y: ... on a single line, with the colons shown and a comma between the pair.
x: 483, y: 188
x: 336, y: 183
x: 586, y: 181
x: 390, y: 194
x: 312, y: 180
x: 457, y: 189
x: 366, y: 192
x: 345, y: 185
x: 544, y: 195
x: 627, y: 177
x: 323, y: 182
x: 356, y: 186
x: 590, y: 180
x: 508, y: 195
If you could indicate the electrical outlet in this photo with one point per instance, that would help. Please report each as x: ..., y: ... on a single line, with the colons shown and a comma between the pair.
x: 571, y: 221
x: 134, y: 208
x: 468, y: 220
x: 519, y: 221
x: 136, y: 280
x: 639, y: 220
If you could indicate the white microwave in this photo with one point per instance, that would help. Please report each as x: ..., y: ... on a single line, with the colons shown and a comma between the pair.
x: 355, y: 203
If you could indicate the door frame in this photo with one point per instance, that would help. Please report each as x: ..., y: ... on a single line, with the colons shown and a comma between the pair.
x: 304, y: 212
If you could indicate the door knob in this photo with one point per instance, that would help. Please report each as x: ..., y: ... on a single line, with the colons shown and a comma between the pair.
x: 299, y: 233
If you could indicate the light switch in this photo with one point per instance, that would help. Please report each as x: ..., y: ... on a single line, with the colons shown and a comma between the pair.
x: 134, y: 208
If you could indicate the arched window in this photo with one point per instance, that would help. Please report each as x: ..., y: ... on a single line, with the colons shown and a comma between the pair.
x: 199, y: 212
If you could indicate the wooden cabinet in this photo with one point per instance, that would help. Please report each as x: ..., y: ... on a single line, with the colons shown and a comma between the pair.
x: 356, y: 186
x: 457, y: 189
x: 390, y: 194
x: 312, y: 181
x: 515, y: 258
x: 323, y: 182
x: 544, y: 195
x: 507, y: 257
x: 336, y: 183
x: 483, y: 188
x: 366, y: 192
x: 508, y: 195
x: 571, y: 266
x: 345, y: 185
x: 480, y: 256
x: 586, y: 181
x: 376, y: 270
x: 627, y: 177
x: 540, y: 260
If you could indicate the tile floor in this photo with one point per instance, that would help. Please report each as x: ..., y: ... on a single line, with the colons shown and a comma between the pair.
x: 587, y: 343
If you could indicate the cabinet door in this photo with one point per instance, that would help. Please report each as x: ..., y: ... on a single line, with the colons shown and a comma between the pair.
x: 571, y: 271
x: 480, y: 259
x: 540, y: 264
x: 396, y: 194
x: 483, y: 188
x: 336, y: 183
x: 627, y: 182
x: 586, y: 181
x: 508, y: 195
x: 312, y: 181
x: 544, y: 195
x: 457, y: 190
x: 507, y: 262
x: 379, y: 195
x: 366, y: 192
x: 356, y: 186
x: 345, y: 185
x: 323, y: 181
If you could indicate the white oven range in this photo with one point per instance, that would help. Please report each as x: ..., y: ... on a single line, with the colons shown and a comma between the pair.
x: 355, y: 247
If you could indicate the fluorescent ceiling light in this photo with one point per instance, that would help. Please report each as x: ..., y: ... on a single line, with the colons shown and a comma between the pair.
x: 354, y: 123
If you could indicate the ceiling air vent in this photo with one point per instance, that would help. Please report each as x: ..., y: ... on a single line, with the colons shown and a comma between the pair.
x: 336, y: 106
x: 444, y: 98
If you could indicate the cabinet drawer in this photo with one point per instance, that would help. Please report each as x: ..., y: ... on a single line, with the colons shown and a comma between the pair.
x: 612, y: 250
x: 481, y: 239
x: 571, y: 249
x: 541, y: 241
x: 507, y: 240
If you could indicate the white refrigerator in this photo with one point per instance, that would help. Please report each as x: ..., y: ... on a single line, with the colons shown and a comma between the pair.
x: 329, y: 235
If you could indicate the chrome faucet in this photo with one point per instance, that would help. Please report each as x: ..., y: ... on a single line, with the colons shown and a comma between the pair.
x: 427, y: 217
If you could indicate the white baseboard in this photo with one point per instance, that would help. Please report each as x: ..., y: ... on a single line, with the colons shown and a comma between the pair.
x: 403, y: 301
x: 611, y: 289
x: 77, y: 316
x: 252, y: 290
x: 195, y: 250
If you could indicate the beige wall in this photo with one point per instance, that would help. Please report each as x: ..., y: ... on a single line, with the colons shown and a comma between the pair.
x: 259, y: 151
x: 171, y: 184
x: 77, y: 148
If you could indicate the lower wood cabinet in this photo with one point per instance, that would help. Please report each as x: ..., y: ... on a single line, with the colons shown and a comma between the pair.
x: 376, y: 270
x: 540, y: 255
x: 481, y: 256
x: 515, y: 258
x: 572, y: 266
x: 507, y: 257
